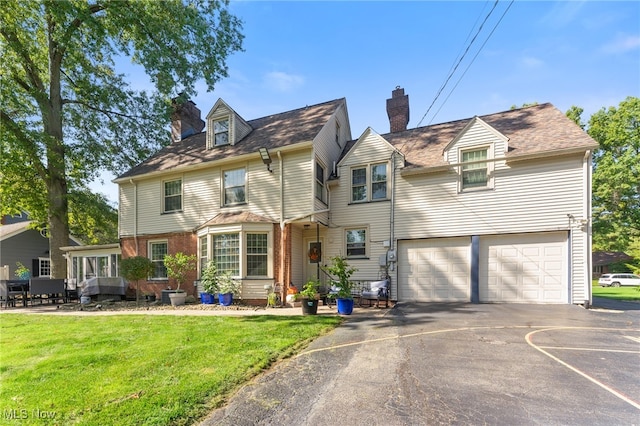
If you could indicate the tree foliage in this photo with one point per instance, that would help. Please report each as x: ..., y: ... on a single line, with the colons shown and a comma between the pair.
x: 66, y: 114
x: 616, y: 175
x: 179, y: 265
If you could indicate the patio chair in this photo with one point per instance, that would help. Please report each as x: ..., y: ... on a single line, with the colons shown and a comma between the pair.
x: 71, y: 290
x: 377, y: 290
x: 7, y: 294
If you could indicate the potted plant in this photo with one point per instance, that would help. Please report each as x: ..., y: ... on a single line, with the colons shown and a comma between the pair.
x: 341, y: 270
x: 134, y: 269
x: 178, y: 266
x: 309, y: 296
x: 22, y: 272
x: 209, y: 281
x: 227, y: 288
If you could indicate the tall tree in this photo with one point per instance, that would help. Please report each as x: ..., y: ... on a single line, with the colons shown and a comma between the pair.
x: 616, y: 175
x: 66, y: 114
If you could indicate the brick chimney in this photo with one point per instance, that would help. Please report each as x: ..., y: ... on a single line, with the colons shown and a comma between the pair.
x: 185, y: 120
x: 398, y: 110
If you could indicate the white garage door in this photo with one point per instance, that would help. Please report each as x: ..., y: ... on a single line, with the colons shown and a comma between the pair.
x: 524, y: 268
x: 434, y: 270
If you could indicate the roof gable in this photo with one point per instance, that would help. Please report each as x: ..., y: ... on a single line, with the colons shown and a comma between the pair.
x: 538, y: 130
x: 368, y: 137
x: 238, y: 127
x: 276, y: 131
x: 476, y: 121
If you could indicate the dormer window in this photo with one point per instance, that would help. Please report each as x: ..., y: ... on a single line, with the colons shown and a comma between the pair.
x: 475, y: 170
x: 221, y: 132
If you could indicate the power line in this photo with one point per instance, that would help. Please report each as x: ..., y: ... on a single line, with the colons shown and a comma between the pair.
x: 472, y: 60
x: 458, y: 63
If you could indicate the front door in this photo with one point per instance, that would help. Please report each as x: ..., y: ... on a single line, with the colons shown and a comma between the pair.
x: 314, y: 258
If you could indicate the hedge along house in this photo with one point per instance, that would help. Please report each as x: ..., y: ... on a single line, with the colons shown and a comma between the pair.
x: 487, y: 209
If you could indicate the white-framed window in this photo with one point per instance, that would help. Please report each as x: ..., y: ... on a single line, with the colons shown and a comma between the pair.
x: 257, y: 254
x: 204, y: 252
x: 369, y: 183
x: 379, y: 181
x: 320, y: 190
x: 474, y: 172
x: 243, y: 250
x: 359, y: 184
x: 172, y: 196
x: 338, y: 133
x: 226, y: 252
x: 234, y: 182
x: 157, y: 251
x: 356, y: 242
x: 44, y: 267
x: 221, y: 132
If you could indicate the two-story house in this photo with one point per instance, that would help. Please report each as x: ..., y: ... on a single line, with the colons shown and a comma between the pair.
x: 239, y: 193
x: 487, y: 209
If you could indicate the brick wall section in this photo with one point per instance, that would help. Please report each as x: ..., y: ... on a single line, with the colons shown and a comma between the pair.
x: 185, y: 242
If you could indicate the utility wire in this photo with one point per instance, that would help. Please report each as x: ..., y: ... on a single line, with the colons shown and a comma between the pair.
x: 458, y: 64
x: 472, y: 60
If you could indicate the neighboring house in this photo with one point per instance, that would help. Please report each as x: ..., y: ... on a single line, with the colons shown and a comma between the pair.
x: 486, y: 209
x: 19, y: 243
x: 604, y: 261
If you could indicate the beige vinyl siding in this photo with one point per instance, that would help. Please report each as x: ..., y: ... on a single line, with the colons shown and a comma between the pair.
x: 298, y: 184
x: 298, y: 257
x: 327, y: 151
x: 478, y: 134
x: 579, y: 275
x: 202, y: 199
x: 528, y: 197
x: 126, y: 211
x: 254, y: 289
x: 373, y: 216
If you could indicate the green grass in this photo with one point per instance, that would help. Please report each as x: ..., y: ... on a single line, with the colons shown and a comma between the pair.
x: 618, y: 293
x: 137, y: 370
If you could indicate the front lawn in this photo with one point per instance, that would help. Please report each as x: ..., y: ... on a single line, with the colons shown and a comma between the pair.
x: 618, y: 293
x: 134, y: 369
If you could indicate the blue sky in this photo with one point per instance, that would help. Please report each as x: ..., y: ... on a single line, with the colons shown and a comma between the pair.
x: 297, y: 53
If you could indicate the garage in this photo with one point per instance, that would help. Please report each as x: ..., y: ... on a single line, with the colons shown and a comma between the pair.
x: 524, y: 268
x: 434, y: 270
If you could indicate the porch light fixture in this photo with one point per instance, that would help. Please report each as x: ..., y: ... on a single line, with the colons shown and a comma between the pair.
x: 266, y: 158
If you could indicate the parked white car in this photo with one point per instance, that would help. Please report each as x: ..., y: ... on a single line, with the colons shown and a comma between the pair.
x: 616, y: 280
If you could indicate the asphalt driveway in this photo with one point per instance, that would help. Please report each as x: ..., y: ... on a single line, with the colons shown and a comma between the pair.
x: 428, y: 364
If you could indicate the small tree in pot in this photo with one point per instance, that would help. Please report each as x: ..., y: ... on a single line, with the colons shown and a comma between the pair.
x: 227, y: 288
x: 135, y: 269
x: 341, y: 270
x: 309, y: 296
x: 178, y: 266
x: 209, y: 281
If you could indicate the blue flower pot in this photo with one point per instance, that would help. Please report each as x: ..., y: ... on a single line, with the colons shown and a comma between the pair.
x: 207, y: 298
x: 225, y: 299
x: 345, y: 306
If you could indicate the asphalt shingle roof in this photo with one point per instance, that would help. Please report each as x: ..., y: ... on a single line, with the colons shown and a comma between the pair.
x: 273, y: 131
x: 531, y: 130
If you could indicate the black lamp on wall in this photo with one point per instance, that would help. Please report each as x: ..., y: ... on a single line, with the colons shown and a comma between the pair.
x: 266, y: 158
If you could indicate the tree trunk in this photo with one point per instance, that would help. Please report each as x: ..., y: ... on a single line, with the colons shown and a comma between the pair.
x: 56, y: 168
x: 58, y: 225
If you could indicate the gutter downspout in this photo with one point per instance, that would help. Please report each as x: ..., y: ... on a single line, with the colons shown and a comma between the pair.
x: 588, y: 231
x: 392, y: 219
x: 284, y: 287
x: 135, y: 214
